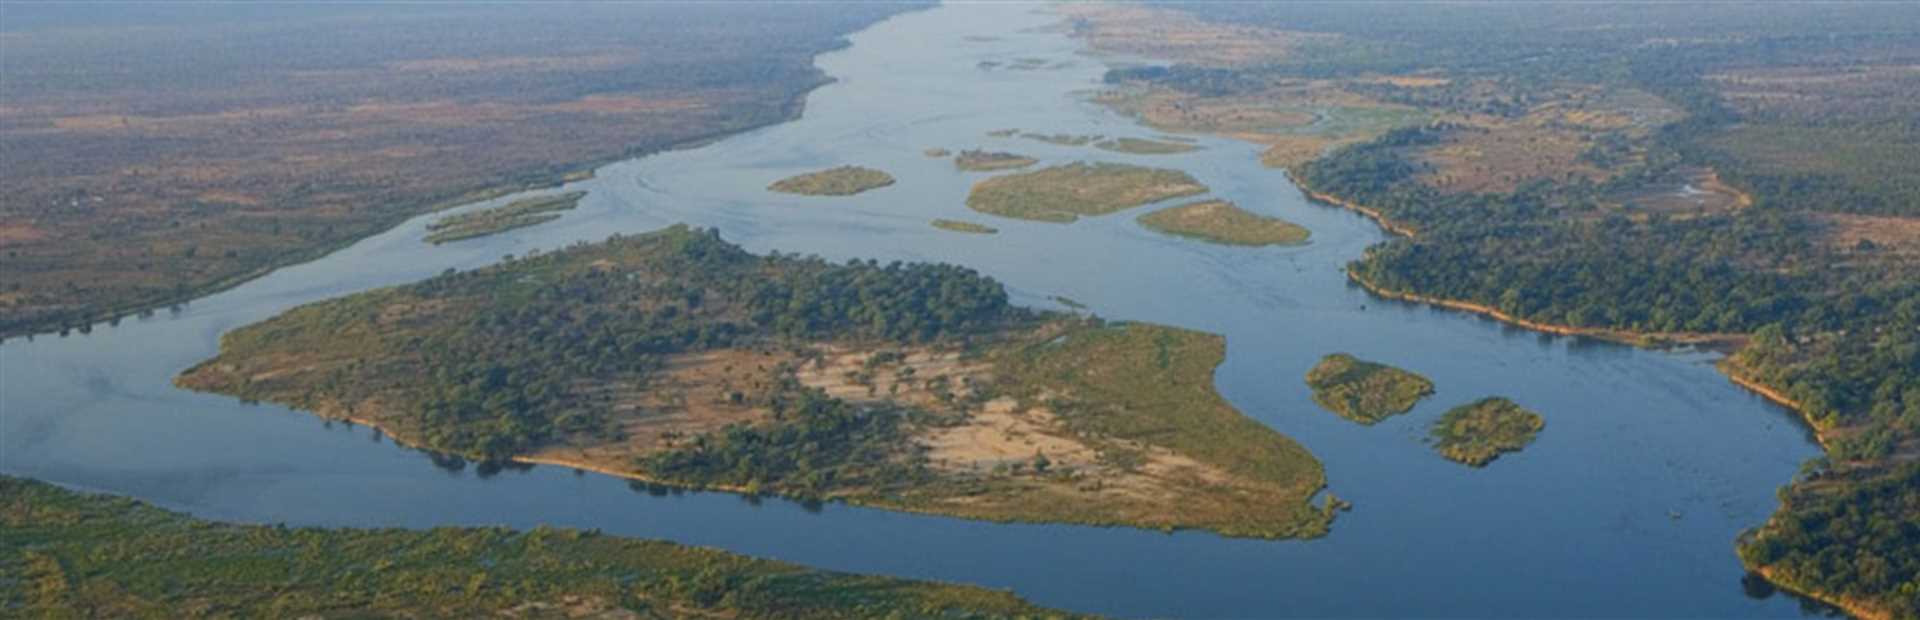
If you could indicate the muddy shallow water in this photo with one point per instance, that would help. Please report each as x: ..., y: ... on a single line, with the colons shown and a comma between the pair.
x: 1651, y: 463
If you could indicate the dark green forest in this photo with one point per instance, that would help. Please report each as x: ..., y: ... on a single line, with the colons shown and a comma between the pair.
x: 1834, y: 328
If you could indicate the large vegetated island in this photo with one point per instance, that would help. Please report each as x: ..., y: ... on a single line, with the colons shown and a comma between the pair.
x: 68, y: 554
x: 145, y: 167
x: 1688, y: 174
x: 1064, y: 193
x: 679, y: 359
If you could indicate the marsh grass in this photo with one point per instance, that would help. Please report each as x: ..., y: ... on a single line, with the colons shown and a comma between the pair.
x: 1223, y: 222
x: 1479, y: 432
x: 840, y: 181
x: 1365, y: 392
x: 517, y: 214
x: 1063, y: 194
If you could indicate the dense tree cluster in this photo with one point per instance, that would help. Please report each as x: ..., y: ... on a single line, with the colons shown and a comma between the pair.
x: 816, y: 443
x: 528, y: 356
x: 1860, y: 541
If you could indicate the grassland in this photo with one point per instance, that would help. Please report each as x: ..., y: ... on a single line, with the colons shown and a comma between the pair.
x: 1220, y: 221
x: 1479, y: 432
x: 1065, y: 193
x: 838, y: 181
x: 964, y: 226
x: 1142, y: 146
x: 991, y: 161
x: 68, y: 554
x: 517, y: 214
x: 145, y: 167
x: 1363, y: 391
x: 678, y: 359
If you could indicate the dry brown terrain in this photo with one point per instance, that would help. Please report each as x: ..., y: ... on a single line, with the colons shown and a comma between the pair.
x: 143, y: 166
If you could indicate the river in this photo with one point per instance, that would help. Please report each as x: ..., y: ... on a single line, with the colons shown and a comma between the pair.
x: 1627, y: 505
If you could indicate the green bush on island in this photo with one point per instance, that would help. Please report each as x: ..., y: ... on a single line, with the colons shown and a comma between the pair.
x: 69, y: 554
x: 1479, y: 432
x: 840, y: 181
x: 974, y: 160
x: 517, y: 214
x: 1141, y: 146
x: 1220, y: 221
x: 1064, y: 193
x: 937, y: 152
x: 964, y: 226
x: 1063, y: 139
x: 1363, y: 391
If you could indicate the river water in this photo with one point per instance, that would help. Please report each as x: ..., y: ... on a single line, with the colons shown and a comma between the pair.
x: 1627, y: 505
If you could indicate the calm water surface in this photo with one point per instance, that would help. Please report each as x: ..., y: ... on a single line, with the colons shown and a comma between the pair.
x: 1627, y: 505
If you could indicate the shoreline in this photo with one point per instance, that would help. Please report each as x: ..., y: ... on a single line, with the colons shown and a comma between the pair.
x: 1848, y: 606
x: 579, y: 171
x: 1378, y: 218
x: 1727, y: 343
x: 1717, y: 341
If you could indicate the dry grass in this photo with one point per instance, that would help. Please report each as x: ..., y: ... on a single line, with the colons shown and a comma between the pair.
x: 1177, y: 36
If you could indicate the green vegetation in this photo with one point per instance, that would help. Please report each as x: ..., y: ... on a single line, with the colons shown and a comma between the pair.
x: 1063, y: 139
x: 1140, y: 391
x: 676, y: 358
x: 1220, y: 221
x: 67, y: 554
x: 517, y: 214
x: 1003, y: 133
x: 937, y: 152
x: 990, y: 161
x: 1365, y: 392
x: 840, y: 181
x: 1139, y: 146
x: 1479, y: 432
x: 1064, y: 193
x: 1852, y: 540
x: 964, y: 226
x: 507, y: 350
x: 1523, y: 197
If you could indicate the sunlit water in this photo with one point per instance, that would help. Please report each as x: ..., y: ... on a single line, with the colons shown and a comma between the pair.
x: 1628, y: 504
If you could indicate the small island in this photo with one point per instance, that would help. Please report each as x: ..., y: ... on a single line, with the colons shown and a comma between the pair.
x: 937, y: 152
x: 1363, y: 391
x: 1141, y: 146
x: 1062, y: 194
x: 991, y: 161
x: 841, y: 181
x: 1003, y: 133
x: 964, y: 226
x: 1063, y: 139
x: 1479, y: 432
x: 82, y: 555
x: 1223, y: 222
x: 678, y: 359
x: 517, y: 214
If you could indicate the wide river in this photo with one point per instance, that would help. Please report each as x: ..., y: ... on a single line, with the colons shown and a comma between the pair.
x: 1628, y: 504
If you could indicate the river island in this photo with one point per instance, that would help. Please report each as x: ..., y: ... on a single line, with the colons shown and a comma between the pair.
x: 1476, y: 433
x: 839, y: 181
x: 1062, y: 194
x: 1365, y: 392
x: 676, y: 358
